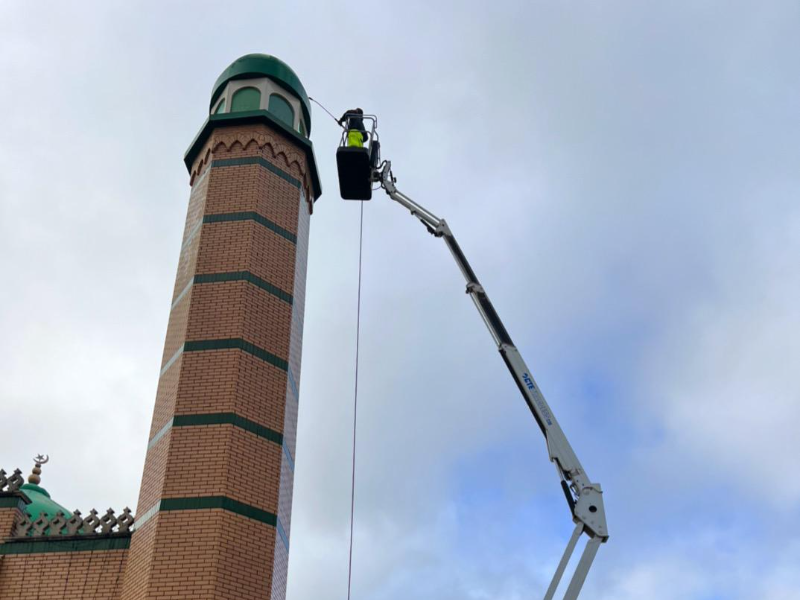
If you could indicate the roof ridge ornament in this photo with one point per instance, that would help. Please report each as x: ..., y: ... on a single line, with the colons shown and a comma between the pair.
x: 35, y: 476
x: 12, y: 483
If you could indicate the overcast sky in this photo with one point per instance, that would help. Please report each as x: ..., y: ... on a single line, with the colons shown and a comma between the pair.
x: 623, y: 177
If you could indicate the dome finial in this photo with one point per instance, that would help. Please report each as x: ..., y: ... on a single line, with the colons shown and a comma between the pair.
x: 40, y: 460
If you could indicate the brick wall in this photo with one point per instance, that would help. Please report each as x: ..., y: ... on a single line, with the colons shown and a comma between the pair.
x: 11, y: 504
x: 57, y: 568
x: 213, y: 519
x: 62, y: 569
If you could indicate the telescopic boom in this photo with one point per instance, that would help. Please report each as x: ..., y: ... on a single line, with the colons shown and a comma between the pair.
x: 585, y: 498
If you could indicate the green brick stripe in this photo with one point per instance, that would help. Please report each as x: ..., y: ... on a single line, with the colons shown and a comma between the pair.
x: 251, y: 216
x: 228, y: 419
x: 245, y: 276
x: 238, y: 344
x: 223, y: 502
x: 234, y: 276
x: 257, y: 160
x: 88, y: 544
x: 223, y: 419
x: 219, y: 419
x: 212, y: 502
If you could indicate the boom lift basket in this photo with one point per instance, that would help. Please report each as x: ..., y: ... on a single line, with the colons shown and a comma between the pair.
x: 356, y: 165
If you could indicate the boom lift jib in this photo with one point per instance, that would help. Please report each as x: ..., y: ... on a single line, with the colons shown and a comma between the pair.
x: 359, y: 169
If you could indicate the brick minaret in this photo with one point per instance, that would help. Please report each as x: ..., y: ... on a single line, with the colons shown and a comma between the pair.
x: 214, y: 508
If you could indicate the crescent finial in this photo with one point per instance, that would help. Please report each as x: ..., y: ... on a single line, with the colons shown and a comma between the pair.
x: 40, y: 460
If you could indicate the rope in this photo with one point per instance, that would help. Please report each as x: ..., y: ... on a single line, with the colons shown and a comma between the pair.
x: 327, y: 111
x: 355, y: 405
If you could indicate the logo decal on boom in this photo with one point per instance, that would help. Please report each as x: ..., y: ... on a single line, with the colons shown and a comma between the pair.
x: 536, y: 397
x: 528, y: 381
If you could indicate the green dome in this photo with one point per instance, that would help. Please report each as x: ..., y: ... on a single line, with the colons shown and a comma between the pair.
x: 264, y: 65
x: 41, y: 502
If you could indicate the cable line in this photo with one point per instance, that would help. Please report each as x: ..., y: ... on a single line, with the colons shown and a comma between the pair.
x: 327, y: 111
x: 355, y: 403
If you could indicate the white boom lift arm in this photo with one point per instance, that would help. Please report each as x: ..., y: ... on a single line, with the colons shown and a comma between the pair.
x: 585, y: 498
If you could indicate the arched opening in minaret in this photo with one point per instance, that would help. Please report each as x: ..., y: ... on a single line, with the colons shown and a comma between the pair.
x: 281, y: 108
x: 248, y: 98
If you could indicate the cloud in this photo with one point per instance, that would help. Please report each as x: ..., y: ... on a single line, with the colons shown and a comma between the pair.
x: 623, y: 179
x: 722, y: 382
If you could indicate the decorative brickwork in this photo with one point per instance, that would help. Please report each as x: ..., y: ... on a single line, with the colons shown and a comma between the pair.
x: 60, y: 524
x: 251, y: 141
x: 12, y: 482
x: 215, y: 504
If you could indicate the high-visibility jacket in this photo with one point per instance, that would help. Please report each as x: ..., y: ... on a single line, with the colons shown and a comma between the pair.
x: 355, y: 138
x: 355, y: 125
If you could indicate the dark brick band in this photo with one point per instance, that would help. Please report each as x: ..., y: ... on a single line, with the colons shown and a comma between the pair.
x: 223, y: 502
x: 212, y: 502
x: 219, y: 419
x: 245, y: 276
x: 257, y: 160
x: 251, y: 216
x: 238, y: 344
x: 45, y: 545
x: 235, y: 343
x: 234, y: 276
x: 228, y: 419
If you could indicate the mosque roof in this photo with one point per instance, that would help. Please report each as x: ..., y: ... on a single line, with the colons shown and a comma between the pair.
x: 41, y: 502
x: 40, y: 497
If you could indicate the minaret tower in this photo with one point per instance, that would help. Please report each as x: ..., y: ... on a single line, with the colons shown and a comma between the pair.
x: 214, y: 509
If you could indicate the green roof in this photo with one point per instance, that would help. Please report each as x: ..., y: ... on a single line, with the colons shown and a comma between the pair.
x: 41, y: 502
x: 263, y: 65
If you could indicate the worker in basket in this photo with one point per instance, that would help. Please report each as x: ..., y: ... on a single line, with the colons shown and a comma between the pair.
x: 356, y: 134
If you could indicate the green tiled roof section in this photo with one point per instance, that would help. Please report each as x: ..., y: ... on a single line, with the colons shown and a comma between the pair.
x: 223, y: 502
x: 41, y: 502
x: 228, y: 419
x: 257, y: 160
x: 245, y: 276
x: 239, y: 344
x: 251, y: 216
x: 85, y: 544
